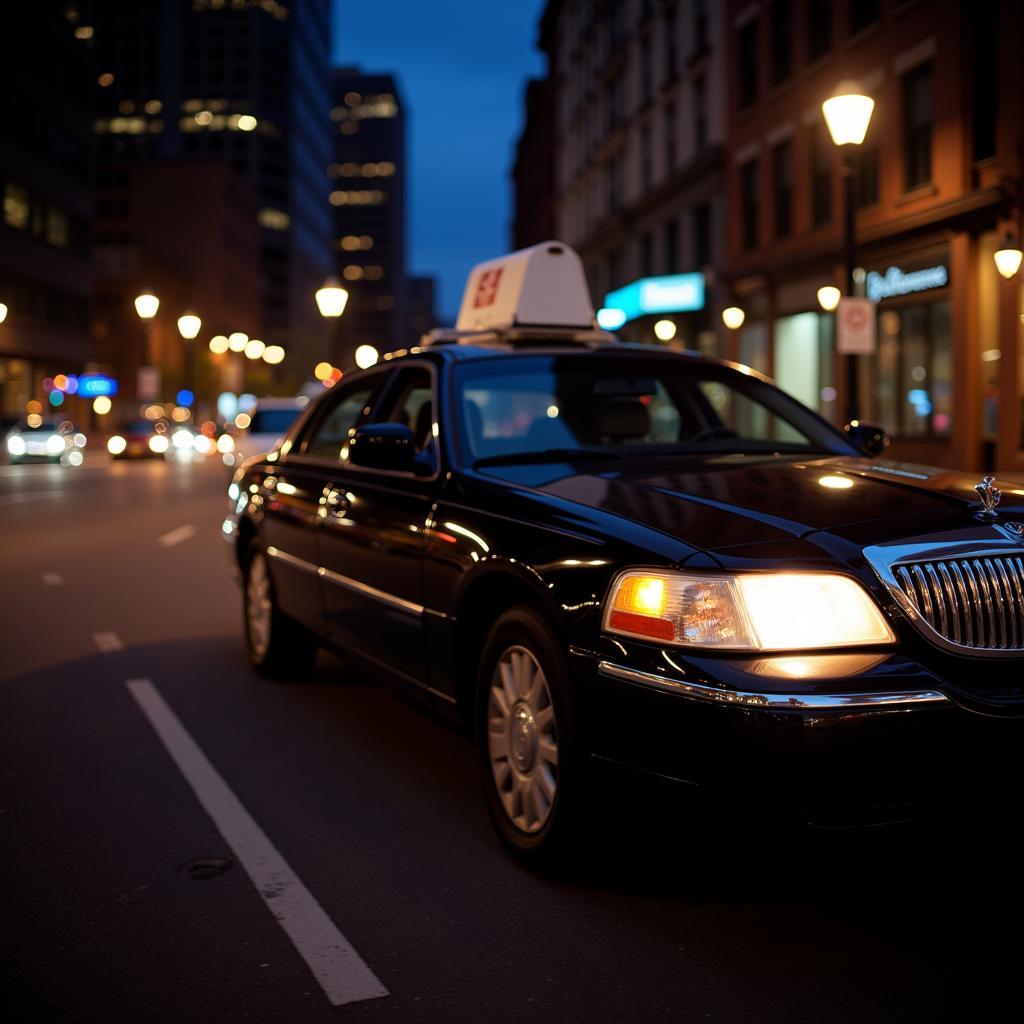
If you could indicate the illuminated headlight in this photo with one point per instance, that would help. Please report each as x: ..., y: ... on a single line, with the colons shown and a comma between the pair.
x: 225, y: 444
x: 16, y: 445
x: 746, y: 612
x: 55, y: 445
x: 158, y: 444
x: 182, y: 439
x: 116, y: 445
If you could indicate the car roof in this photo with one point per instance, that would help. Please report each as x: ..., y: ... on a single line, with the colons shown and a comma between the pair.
x: 281, y: 403
x: 466, y: 350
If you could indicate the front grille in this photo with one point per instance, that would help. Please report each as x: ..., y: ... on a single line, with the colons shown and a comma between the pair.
x: 973, y: 602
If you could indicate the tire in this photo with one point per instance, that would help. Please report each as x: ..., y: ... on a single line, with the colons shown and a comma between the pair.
x: 528, y: 746
x: 278, y: 646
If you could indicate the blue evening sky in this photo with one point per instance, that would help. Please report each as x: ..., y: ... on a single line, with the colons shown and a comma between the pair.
x: 462, y: 68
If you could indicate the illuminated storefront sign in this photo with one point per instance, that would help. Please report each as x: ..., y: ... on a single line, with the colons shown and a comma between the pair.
x: 896, y: 282
x: 673, y: 293
x: 92, y: 385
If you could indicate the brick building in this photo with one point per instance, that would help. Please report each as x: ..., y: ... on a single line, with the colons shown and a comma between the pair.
x: 937, y: 185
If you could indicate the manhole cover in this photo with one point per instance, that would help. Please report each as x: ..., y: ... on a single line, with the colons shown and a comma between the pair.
x: 205, y: 867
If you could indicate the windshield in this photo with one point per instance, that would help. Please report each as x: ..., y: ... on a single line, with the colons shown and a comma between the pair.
x: 616, y: 406
x: 273, y: 421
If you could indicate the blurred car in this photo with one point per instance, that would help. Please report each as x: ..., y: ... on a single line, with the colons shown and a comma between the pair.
x: 269, y: 421
x: 35, y: 439
x: 139, y: 439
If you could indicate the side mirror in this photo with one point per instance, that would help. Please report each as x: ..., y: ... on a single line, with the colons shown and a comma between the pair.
x: 868, y: 436
x: 383, y: 446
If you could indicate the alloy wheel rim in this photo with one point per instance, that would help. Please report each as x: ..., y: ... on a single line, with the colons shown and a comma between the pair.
x: 258, y: 606
x: 522, y: 740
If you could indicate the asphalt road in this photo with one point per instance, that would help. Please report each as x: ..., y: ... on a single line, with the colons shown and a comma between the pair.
x: 116, y: 907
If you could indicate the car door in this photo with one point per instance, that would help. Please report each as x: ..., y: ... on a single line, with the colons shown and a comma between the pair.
x: 372, y: 538
x: 295, y: 499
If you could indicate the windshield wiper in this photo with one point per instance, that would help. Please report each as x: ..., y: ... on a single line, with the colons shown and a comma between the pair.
x: 548, y: 455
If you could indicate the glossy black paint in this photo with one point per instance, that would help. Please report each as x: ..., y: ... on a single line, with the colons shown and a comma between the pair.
x: 409, y: 569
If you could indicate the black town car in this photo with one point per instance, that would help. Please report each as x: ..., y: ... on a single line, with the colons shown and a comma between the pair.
x: 617, y: 556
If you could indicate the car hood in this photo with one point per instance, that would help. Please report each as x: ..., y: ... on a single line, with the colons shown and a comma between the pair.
x: 721, y: 502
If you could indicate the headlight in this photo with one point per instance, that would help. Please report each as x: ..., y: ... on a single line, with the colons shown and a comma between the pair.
x: 16, y: 445
x: 781, y: 611
x: 225, y: 444
x: 158, y: 444
x: 182, y: 439
x: 55, y: 445
x: 116, y: 444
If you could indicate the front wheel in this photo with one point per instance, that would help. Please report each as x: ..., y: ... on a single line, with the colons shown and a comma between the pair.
x: 278, y: 646
x: 527, y: 744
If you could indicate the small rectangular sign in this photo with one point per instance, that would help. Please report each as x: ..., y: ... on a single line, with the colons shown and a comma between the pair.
x: 148, y: 383
x: 855, y: 327
x: 92, y: 385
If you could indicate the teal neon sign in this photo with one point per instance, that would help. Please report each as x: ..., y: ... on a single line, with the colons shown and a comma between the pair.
x: 672, y: 293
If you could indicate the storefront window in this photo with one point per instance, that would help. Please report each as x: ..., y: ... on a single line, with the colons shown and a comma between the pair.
x: 911, y: 375
x: 803, y: 360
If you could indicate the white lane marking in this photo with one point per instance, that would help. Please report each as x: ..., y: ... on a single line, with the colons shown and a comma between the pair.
x: 53, y: 579
x: 108, y: 642
x: 177, y: 536
x: 340, y: 971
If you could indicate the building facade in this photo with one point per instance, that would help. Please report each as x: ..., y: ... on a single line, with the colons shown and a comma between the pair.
x: 936, y: 184
x: 244, y: 83
x: 640, y: 128
x: 368, y: 175
x: 46, y: 80
x: 533, y: 173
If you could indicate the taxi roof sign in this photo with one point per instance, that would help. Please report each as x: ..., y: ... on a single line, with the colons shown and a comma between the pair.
x: 542, y: 286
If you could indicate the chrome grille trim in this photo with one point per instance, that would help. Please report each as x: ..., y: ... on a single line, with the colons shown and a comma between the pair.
x: 964, y: 591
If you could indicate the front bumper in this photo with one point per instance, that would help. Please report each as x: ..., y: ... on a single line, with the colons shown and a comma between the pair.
x: 834, y: 738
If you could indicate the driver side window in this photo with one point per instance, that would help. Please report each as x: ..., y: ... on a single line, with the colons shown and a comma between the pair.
x: 350, y: 407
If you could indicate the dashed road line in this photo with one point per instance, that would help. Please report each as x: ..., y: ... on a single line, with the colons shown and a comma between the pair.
x: 185, y: 532
x: 337, y: 967
x: 53, y: 579
x: 108, y: 642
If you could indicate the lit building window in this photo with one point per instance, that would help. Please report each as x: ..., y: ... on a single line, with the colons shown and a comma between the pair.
x: 16, y: 208
x: 352, y: 272
x: 357, y: 197
x: 84, y: 32
x: 353, y: 99
x: 153, y: 107
x: 373, y: 273
x: 105, y: 79
x: 277, y: 220
x: 353, y: 243
x: 126, y: 107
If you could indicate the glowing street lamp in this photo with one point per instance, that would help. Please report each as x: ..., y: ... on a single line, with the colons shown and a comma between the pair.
x: 665, y: 330
x: 828, y: 297
x: 733, y: 317
x: 1008, y: 257
x: 273, y: 354
x: 331, y: 298
x: 366, y: 356
x: 847, y: 115
x: 237, y: 341
x: 254, y: 349
x: 146, y: 305
x: 189, y: 326
x: 3, y: 312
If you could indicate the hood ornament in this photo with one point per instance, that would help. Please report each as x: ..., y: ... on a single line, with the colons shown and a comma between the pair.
x: 990, y: 497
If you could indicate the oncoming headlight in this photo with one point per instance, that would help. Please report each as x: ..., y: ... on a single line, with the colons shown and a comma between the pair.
x: 771, y: 611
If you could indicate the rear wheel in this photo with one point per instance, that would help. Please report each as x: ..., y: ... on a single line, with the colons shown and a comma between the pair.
x: 278, y: 646
x: 527, y: 745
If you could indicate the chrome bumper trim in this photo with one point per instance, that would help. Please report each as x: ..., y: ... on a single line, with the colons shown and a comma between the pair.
x: 774, y: 701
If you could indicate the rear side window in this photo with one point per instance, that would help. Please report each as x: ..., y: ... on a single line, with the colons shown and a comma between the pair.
x: 350, y: 406
x: 273, y: 421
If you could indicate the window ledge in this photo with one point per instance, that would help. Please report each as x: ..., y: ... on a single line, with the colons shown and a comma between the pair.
x: 918, y: 192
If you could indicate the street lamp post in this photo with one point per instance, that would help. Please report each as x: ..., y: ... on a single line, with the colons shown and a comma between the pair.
x: 331, y: 299
x: 847, y: 114
x: 189, y: 326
